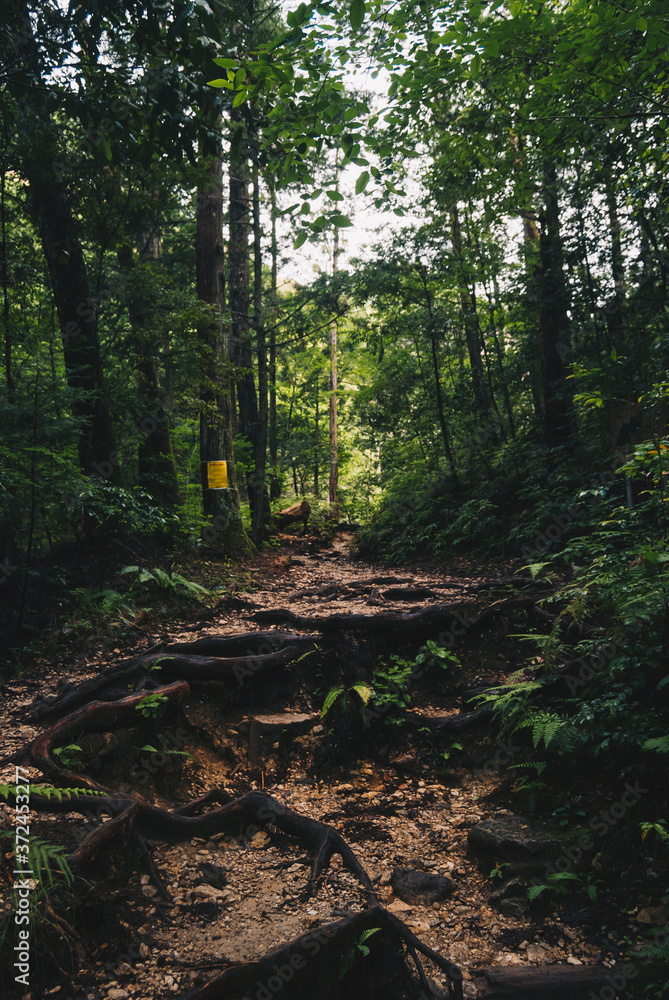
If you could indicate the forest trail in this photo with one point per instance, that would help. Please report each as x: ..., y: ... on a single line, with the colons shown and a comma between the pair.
x: 161, y: 918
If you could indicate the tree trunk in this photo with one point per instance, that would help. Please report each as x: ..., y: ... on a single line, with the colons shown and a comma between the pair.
x: 157, y: 469
x: 216, y: 416
x: 240, y: 342
x: 334, y: 450
x: 274, y: 486
x: 4, y: 278
x: 316, y: 446
x: 76, y: 310
x: 470, y: 324
x: 553, y: 319
x: 616, y: 312
x: 260, y: 505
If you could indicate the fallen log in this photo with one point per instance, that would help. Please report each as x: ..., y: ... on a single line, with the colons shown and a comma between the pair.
x: 322, y: 964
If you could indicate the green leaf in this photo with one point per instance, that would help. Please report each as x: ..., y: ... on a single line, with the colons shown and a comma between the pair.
x: 340, y: 221
x: 219, y: 84
x: 239, y: 98
x: 363, y: 690
x: 356, y: 13
x: 362, y: 182
x: 226, y: 63
x: 331, y: 698
x: 301, y: 238
x: 641, y: 24
x: 335, y: 195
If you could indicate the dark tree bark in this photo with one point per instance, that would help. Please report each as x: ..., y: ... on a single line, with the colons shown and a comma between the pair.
x: 260, y: 501
x: 157, y: 468
x: 274, y: 486
x: 470, y: 324
x: 216, y: 419
x: 334, y: 446
x: 75, y: 307
x: 239, y: 262
x: 553, y: 320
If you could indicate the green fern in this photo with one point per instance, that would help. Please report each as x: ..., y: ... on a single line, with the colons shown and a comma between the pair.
x: 660, y: 744
x: 47, y: 792
x: 554, y: 731
x: 43, y: 859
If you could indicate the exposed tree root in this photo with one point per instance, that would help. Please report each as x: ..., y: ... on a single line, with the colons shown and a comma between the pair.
x: 457, y: 619
x: 313, y: 966
x: 250, y: 812
x: 210, y: 659
x: 554, y: 982
x: 458, y: 722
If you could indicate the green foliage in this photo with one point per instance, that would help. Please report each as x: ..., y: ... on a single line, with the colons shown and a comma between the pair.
x: 67, y: 756
x: 432, y: 655
x: 47, y: 792
x: 152, y: 706
x: 498, y: 870
x: 171, y: 582
x: 116, y: 511
x: 357, y: 951
x: 562, y: 882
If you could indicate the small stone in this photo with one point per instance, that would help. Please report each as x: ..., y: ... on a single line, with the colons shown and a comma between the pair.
x: 149, y: 891
x: 572, y: 960
x: 652, y: 915
x: 144, y: 950
x: 117, y: 994
x: 208, y: 892
x: 397, y: 906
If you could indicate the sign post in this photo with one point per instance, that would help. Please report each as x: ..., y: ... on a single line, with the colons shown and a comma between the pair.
x: 215, y: 475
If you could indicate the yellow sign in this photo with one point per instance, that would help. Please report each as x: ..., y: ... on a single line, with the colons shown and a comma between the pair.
x: 217, y: 475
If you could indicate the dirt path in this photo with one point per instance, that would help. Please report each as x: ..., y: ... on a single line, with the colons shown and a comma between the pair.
x: 234, y: 896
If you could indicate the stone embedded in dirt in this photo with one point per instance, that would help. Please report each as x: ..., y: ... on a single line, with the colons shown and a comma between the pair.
x: 513, y: 838
x: 515, y: 908
x: 537, y: 953
x: 420, y: 888
x: 115, y: 994
x: 214, y: 875
x: 510, y: 890
x: 208, y: 892
x: 398, y: 907
x: 652, y: 915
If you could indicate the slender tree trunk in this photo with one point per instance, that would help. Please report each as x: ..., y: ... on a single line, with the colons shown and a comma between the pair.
x: 156, y: 465
x: 316, y: 446
x: 275, y: 487
x: 240, y: 343
x: 553, y: 319
x: 4, y: 277
x: 470, y: 324
x: 334, y: 448
x: 616, y: 313
x: 437, y: 378
x: 593, y: 309
x: 260, y: 506
x: 75, y: 308
x: 216, y: 416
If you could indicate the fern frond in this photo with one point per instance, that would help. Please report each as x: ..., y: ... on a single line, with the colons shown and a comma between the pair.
x: 660, y: 744
x: 47, y: 792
